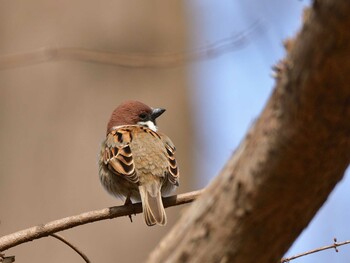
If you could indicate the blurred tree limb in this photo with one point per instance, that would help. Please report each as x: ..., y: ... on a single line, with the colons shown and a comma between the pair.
x: 47, y: 229
x: 130, y: 60
x: 288, y: 163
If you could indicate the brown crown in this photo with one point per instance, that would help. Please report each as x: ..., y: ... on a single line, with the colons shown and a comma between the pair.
x: 127, y: 113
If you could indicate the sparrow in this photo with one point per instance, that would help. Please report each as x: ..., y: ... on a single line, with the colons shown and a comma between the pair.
x: 136, y: 161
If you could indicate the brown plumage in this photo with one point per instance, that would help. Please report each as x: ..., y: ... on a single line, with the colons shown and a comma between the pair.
x: 137, y: 162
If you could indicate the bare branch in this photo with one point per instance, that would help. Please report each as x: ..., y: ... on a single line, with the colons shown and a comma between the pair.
x: 75, y: 248
x: 130, y: 60
x: 47, y: 229
x: 4, y: 259
x: 335, y: 245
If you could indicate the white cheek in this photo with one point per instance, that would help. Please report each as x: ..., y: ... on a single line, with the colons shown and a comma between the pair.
x: 148, y: 124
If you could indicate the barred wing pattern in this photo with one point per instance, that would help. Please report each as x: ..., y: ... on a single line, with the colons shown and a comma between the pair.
x: 173, y: 170
x: 118, y: 156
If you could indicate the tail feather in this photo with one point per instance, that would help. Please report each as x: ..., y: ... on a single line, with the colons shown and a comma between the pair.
x: 152, y: 205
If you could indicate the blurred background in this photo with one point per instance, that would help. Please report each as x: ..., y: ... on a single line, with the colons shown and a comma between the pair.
x: 215, y: 76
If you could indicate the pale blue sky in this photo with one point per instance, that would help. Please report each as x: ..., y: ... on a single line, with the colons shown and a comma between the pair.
x: 229, y: 92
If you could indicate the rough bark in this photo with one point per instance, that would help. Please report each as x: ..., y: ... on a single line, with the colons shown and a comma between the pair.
x: 290, y: 160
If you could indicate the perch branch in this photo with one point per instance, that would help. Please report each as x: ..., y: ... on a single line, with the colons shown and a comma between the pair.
x: 47, y: 229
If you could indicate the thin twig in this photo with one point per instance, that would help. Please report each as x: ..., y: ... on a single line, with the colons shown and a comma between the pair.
x: 8, y: 259
x: 75, y: 248
x: 47, y: 229
x: 335, y: 245
x: 131, y: 60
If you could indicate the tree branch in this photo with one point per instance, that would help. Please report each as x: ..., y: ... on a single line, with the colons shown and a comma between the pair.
x: 130, y: 60
x: 47, y: 229
x: 335, y: 246
x: 288, y: 163
x: 75, y: 248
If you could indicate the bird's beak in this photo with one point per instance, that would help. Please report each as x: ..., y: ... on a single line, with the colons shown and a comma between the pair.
x: 156, y: 112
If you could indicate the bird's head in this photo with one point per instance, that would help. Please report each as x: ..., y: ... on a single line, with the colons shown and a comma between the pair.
x: 134, y: 113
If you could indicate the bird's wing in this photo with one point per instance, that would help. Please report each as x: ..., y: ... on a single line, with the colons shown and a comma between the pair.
x: 117, y: 154
x: 173, y: 170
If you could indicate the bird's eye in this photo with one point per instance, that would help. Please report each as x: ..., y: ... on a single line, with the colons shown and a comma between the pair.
x: 143, y: 116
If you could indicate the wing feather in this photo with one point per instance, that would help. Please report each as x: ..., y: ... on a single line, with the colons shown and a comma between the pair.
x: 173, y: 170
x: 118, y: 156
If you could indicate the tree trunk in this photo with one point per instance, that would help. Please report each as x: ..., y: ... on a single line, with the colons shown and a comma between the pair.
x: 290, y: 160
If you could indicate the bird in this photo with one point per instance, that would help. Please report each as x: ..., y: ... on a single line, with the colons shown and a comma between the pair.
x: 136, y: 161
